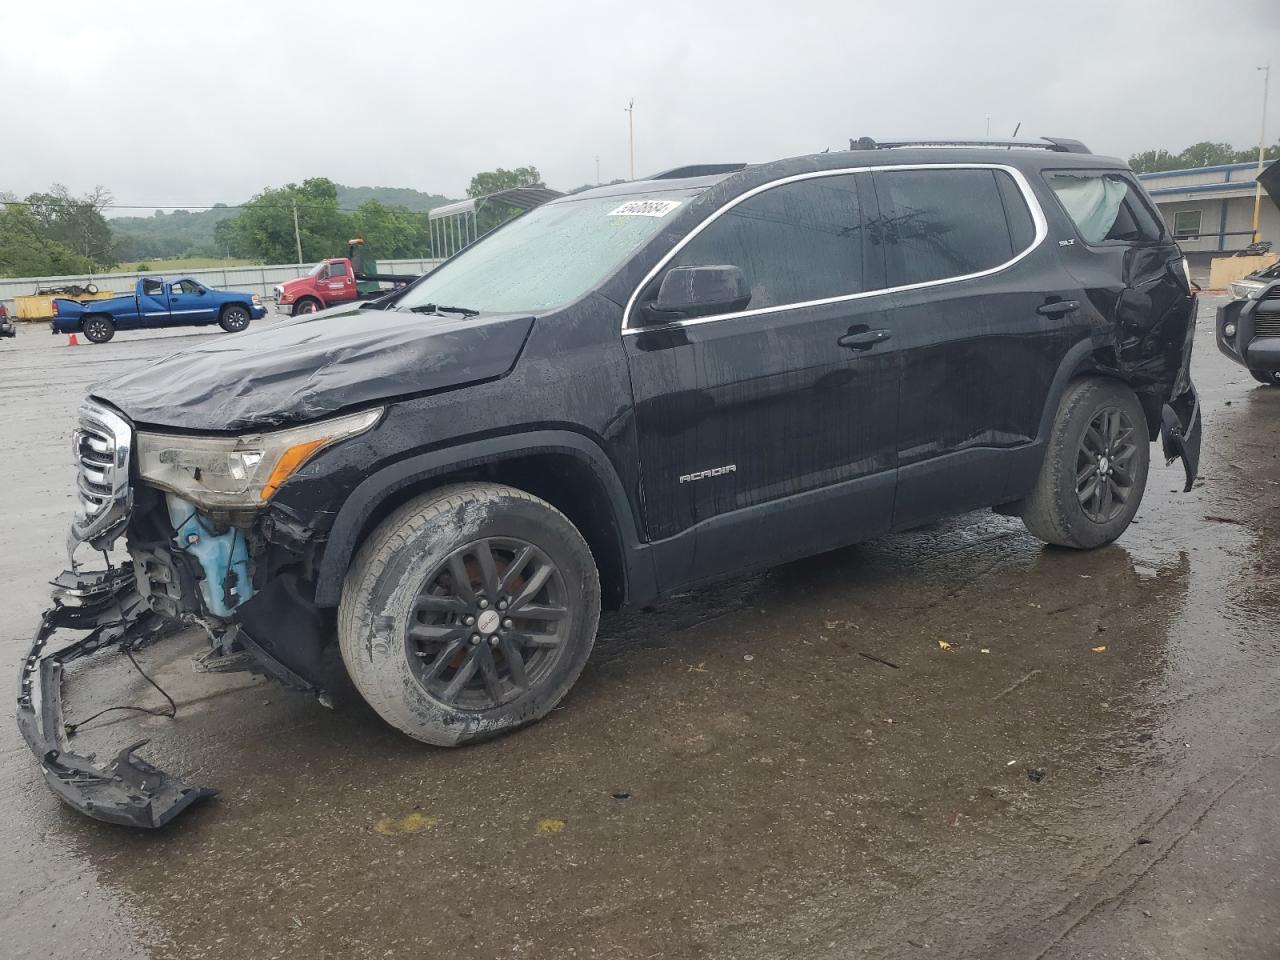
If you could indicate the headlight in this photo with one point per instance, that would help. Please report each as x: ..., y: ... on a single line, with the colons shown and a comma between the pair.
x: 1247, y: 289
x: 243, y: 471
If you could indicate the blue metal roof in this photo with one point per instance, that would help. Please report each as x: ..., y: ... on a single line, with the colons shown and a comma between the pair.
x: 1245, y: 186
x: 1217, y: 168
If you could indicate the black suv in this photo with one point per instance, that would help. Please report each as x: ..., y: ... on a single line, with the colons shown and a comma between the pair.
x: 620, y: 393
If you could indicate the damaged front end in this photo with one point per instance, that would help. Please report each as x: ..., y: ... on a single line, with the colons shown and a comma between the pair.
x: 105, y: 606
x: 206, y: 549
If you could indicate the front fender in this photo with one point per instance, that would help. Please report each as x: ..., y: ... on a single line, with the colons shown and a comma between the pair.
x: 374, y: 490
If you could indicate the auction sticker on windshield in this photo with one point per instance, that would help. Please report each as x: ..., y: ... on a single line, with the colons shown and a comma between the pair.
x: 645, y: 208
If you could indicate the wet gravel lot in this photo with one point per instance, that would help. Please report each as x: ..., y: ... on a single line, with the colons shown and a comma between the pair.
x: 953, y: 742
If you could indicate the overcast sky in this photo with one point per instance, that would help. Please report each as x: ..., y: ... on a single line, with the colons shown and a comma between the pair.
x: 194, y: 103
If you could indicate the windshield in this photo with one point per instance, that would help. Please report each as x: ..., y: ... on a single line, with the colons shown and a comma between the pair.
x: 548, y: 257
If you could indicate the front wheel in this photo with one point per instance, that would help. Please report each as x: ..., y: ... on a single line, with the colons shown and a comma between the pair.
x: 98, y: 329
x: 306, y: 305
x: 233, y: 318
x: 1095, y: 468
x: 469, y: 612
x: 1270, y: 377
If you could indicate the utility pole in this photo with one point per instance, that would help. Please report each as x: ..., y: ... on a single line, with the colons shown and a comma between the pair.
x: 1262, y: 149
x: 597, y: 169
x: 297, y: 234
x: 631, y: 133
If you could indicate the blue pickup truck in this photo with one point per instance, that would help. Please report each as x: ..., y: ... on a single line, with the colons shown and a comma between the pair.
x: 157, y: 303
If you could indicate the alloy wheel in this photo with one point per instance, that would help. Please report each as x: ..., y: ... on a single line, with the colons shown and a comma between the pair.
x: 1104, y: 475
x: 490, y: 623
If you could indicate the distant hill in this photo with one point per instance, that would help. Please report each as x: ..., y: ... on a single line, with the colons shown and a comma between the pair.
x: 351, y: 197
x: 183, y: 233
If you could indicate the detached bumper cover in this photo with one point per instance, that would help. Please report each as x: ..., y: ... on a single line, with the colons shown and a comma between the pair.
x: 1180, y: 433
x: 128, y: 790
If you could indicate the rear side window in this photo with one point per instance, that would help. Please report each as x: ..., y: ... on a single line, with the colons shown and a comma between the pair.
x: 797, y: 242
x: 937, y: 224
x: 1104, y: 206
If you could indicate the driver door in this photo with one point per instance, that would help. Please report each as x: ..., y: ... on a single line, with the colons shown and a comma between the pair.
x: 770, y: 432
x: 338, y: 283
x: 190, y: 303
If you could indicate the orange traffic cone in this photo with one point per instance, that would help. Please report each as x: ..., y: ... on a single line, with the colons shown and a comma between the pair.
x: 72, y: 341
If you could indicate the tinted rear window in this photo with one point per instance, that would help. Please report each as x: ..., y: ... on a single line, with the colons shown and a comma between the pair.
x: 937, y: 224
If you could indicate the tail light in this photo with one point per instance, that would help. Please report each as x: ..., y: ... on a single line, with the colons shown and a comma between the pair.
x: 53, y: 305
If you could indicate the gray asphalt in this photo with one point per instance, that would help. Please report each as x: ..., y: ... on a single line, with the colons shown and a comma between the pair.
x: 734, y: 776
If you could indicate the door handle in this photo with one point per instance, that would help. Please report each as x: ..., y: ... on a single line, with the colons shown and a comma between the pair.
x: 864, y: 340
x: 1057, y: 308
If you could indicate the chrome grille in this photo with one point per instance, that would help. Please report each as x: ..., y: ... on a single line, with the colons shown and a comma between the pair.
x: 101, y: 446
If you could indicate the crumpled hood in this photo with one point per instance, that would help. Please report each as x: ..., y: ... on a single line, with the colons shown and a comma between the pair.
x: 313, y: 366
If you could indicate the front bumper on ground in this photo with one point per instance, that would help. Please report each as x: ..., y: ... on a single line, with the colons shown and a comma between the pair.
x: 6, y: 329
x: 108, y: 610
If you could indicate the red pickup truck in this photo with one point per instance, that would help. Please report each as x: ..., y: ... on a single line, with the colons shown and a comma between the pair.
x: 335, y: 281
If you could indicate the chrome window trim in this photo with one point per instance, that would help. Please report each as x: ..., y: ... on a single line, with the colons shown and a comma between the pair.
x: 1028, y: 195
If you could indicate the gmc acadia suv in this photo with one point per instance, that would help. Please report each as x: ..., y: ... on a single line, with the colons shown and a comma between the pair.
x: 615, y: 395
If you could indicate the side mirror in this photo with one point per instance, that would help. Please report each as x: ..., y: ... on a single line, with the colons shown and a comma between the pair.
x: 700, y: 292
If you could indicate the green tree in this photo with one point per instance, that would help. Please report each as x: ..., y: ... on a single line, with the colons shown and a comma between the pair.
x: 1206, y: 154
x: 264, y: 229
x: 1251, y: 155
x: 1203, y: 154
x: 26, y: 249
x: 1153, y: 161
x: 391, y: 232
x: 76, y: 223
x: 491, y: 215
x: 491, y: 181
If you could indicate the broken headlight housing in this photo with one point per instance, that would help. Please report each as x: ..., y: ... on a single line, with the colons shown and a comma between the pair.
x: 239, y: 472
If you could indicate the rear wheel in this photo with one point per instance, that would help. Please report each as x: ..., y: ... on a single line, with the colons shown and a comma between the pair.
x: 234, y: 318
x: 98, y: 328
x: 469, y: 612
x: 1270, y: 377
x: 306, y: 305
x: 1095, y: 468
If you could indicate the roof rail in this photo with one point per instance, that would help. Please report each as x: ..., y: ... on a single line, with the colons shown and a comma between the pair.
x: 1059, y: 144
x: 697, y: 170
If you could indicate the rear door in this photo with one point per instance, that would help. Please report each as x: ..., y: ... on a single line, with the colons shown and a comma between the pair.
x: 983, y: 315
x: 770, y: 432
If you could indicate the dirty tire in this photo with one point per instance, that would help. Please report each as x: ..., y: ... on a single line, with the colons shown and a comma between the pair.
x: 98, y: 328
x: 233, y: 318
x: 399, y: 560
x: 1053, y: 512
x: 1270, y: 377
x: 306, y: 305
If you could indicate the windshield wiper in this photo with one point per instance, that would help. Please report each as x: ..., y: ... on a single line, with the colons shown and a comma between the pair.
x: 439, y: 308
